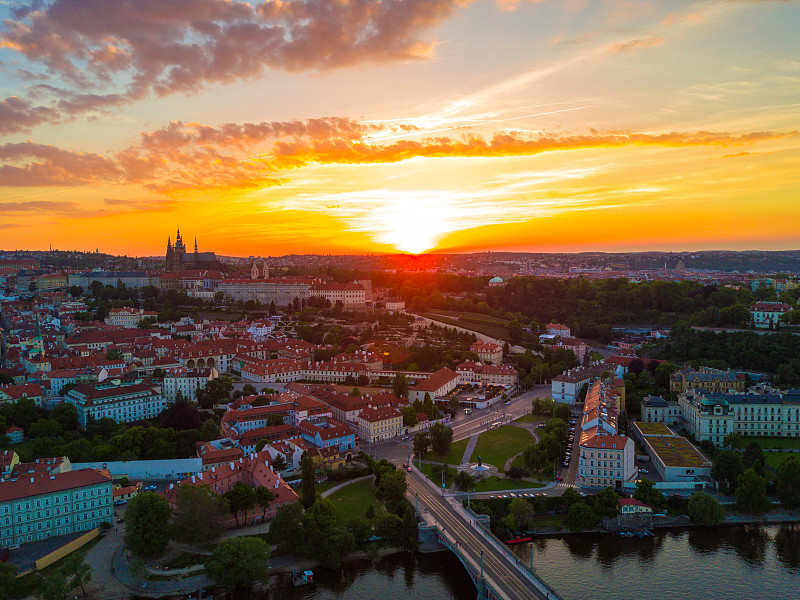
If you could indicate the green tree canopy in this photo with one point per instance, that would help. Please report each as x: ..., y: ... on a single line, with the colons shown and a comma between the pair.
x: 787, y: 483
x: 199, y: 514
x: 441, y: 438
x: 580, y: 516
x: 647, y: 493
x: 237, y: 563
x: 308, y: 492
x: 751, y: 493
x: 147, y: 524
x: 704, y: 509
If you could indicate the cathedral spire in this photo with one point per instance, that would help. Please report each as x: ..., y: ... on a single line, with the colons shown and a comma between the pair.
x: 195, y: 244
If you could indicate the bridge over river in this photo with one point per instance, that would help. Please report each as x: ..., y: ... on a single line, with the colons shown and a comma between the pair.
x: 496, y: 571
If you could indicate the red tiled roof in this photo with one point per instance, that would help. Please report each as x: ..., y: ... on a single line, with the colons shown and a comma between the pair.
x: 27, y: 486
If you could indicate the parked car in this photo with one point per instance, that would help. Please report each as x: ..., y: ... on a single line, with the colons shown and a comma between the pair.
x: 150, y: 488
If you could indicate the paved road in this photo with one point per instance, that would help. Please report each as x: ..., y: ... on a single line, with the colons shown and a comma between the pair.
x: 498, y: 568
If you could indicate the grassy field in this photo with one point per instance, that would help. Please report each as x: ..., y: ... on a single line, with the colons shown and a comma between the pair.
x: 427, y: 469
x: 531, y: 419
x: 547, y: 522
x: 453, y: 457
x: 775, y: 459
x: 498, y: 484
x: 494, y: 330
x: 772, y: 442
x: 353, y: 499
x: 496, y: 446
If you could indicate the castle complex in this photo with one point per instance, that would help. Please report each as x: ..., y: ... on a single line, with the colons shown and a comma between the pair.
x: 178, y: 258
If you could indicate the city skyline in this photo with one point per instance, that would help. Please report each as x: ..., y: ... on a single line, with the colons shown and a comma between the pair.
x: 383, y: 127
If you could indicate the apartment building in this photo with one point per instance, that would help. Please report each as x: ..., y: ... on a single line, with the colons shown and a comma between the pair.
x: 128, y: 317
x: 378, y: 424
x: 488, y: 352
x: 706, y: 379
x: 36, y: 507
x: 606, y: 457
x: 757, y: 412
x: 187, y: 382
x: 123, y: 402
x: 766, y: 315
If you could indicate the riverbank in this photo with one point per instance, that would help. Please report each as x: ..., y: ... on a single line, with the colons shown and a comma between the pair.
x: 683, y: 522
x: 285, y: 563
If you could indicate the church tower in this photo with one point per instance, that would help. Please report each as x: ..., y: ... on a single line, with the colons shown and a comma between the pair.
x: 179, y: 251
x: 170, y: 258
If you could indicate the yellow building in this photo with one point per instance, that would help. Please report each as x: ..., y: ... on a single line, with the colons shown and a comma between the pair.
x: 378, y: 424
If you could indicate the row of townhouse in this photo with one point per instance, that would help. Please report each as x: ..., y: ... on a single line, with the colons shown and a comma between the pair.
x: 606, y: 458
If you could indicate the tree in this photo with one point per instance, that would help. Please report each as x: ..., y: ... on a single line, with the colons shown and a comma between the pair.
x: 727, y: 467
x: 237, y: 563
x: 66, y: 415
x: 606, y: 502
x: 264, y: 497
x: 516, y: 473
x: 647, y: 493
x: 751, y: 493
x: 464, y: 481
x: 522, y: 512
x: 562, y: 411
x: 422, y: 442
x: 241, y: 499
x: 409, y: 416
x: 704, y: 509
x: 274, y: 420
x: 752, y: 453
x: 248, y: 389
x: 199, y: 514
x: 407, y: 534
x: 787, y: 482
x: 391, y: 485
x: 53, y: 586
x: 355, y: 392
x: 570, y: 496
x: 147, y: 524
x: 400, y: 386
x: 732, y: 441
x: 580, y: 516
x: 215, y: 391
x: 308, y: 491
x: 279, y: 462
x: 9, y: 584
x: 77, y: 572
x: 387, y: 525
x: 285, y: 529
x: 441, y: 438
x: 181, y: 416
x: 359, y: 527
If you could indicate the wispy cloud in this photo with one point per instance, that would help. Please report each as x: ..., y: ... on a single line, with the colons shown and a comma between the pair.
x: 160, y: 47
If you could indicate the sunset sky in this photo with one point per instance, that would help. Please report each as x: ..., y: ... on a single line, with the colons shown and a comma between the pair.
x: 364, y: 126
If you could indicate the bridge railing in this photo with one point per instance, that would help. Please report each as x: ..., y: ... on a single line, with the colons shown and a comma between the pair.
x: 531, y: 575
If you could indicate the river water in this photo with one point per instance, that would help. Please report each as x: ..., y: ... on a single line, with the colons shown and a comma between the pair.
x: 724, y: 563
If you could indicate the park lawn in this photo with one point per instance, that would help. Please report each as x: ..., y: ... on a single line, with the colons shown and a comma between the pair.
x: 453, y: 457
x: 324, y: 487
x: 775, y: 459
x: 496, y: 331
x: 427, y: 469
x: 772, y: 442
x: 531, y: 418
x: 496, y: 446
x: 354, y: 499
x: 498, y: 484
